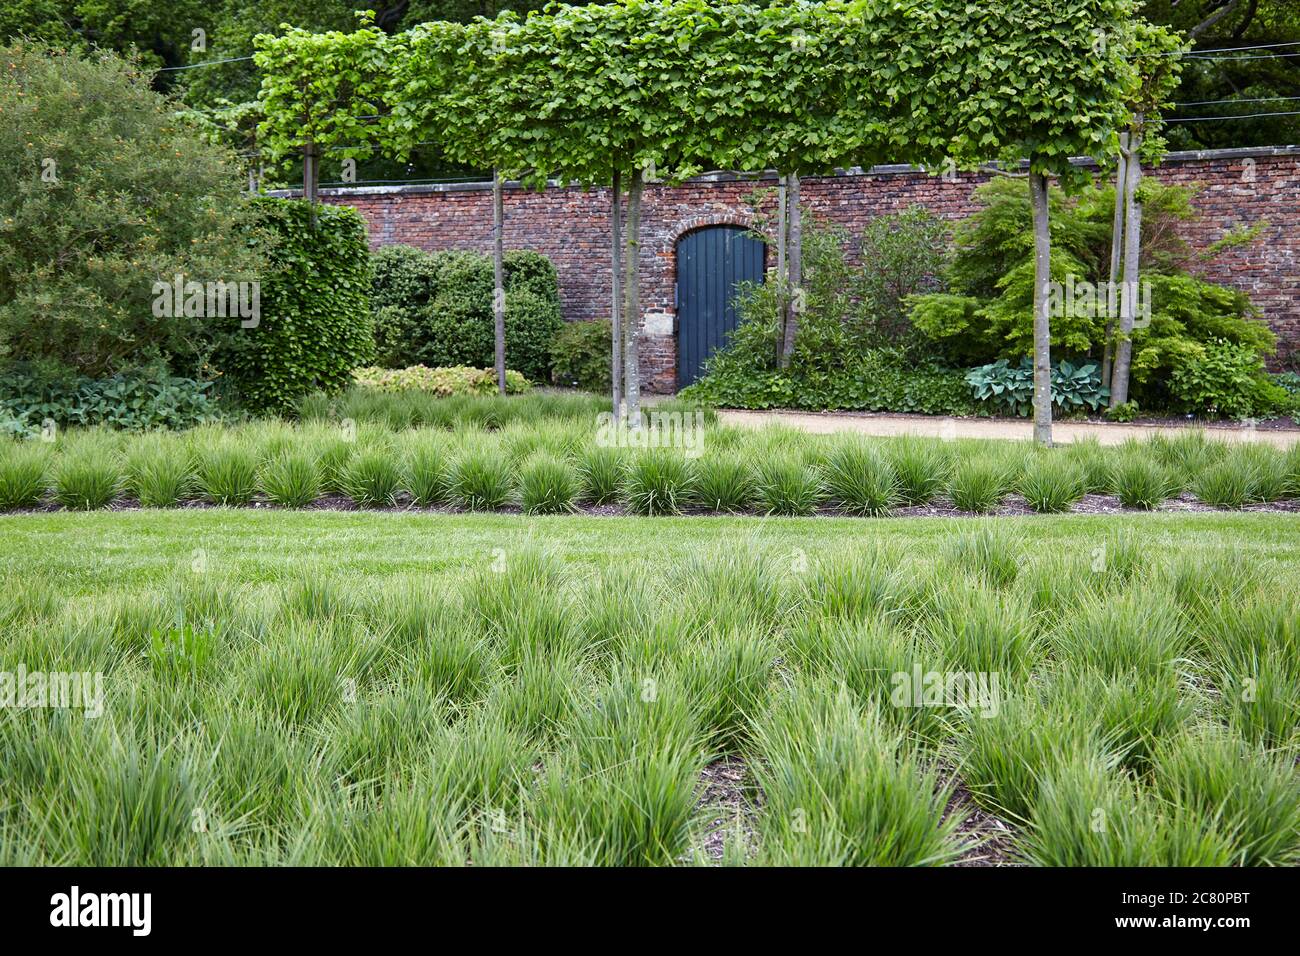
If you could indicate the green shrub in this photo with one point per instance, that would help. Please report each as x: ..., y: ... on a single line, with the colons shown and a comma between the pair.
x: 987, y: 312
x: 600, y: 473
x: 1075, y: 388
x: 1225, y: 379
x: 81, y: 252
x: 879, y: 380
x: 922, y: 466
x: 846, y: 352
x: 1253, y: 793
x: 1227, y: 484
x: 1087, y: 814
x: 435, y: 309
x: 841, y: 789
x: 315, y: 325
x: 1268, y: 470
x: 1052, y: 483
x: 22, y: 475
x: 441, y: 382
x: 986, y: 553
x: 978, y: 485
x: 137, y: 400
x: 426, y: 471
x: 580, y: 356
x: 404, y: 280
x: 1123, y: 412
x: 292, y: 479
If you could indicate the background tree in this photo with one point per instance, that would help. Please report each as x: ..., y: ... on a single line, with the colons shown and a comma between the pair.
x: 1157, y: 65
x: 110, y: 195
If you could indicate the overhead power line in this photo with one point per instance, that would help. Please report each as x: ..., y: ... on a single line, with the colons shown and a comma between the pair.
x: 1230, y: 49
x: 1255, y: 99
x: 1206, y: 119
x: 195, y: 66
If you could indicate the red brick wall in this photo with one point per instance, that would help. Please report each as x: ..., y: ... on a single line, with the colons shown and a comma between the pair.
x: 570, y: 226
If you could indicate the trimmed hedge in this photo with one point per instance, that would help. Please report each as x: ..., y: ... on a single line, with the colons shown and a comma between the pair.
x: 435, y: 309
x: 580, y: 356
x: 315, y: 325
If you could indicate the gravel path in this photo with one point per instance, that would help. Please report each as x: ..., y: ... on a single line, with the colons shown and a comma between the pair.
x: 1062, y: 432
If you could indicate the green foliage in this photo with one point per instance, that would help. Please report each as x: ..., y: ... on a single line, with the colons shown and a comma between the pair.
x: 724, y: 483
x: 978, y: 485
x: 922, y: 468
x: 227, y: 473
x: 1074, y: 388
x: 315, y: 325
x: 159, y: 471
x: 784, y: 485
x: 845, y: 352
x: 292, y: 479
x: 86, y: 478
x: 657, y: 482
x: 1124, y: 412
x: 906, y: 254
x: 435, y: 309
x: 426, y: 467
x: 580, y: 356
x: 1052, y: 483
x: 442, y: 382
x: 1225, y: 379
x: 1141, y: 482
x: 987, y: 314
x: 404, y: 281
x: 137, y: 400
x: 547, y: 485
x: 371, y: 478
x: 481, y: 479
x: 600, y: 473
x: 22, y: 475
x: 860, y: 479
x: 109, y: 195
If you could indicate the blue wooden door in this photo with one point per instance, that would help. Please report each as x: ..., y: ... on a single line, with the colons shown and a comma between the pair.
x: 710, y: 262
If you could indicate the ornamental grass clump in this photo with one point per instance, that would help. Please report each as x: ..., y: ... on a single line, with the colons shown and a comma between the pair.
x: 860, y: 479
x: 547, y: 485
x: 657, y: 482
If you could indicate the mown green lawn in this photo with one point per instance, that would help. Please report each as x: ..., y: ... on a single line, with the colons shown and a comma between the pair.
x: 83, y: 552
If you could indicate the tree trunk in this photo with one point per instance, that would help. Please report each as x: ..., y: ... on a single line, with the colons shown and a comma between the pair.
x: 1116, y: 258
x: 616, y: 306
x: 781, y: 315
x: 310, y: 177
x: 632, y: 304
x: 795, y: 264
x: 499, y: 279
x: 1128, y: 299
x: 1042, y: 321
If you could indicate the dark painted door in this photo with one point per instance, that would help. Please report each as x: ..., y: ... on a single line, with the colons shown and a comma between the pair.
x: 710, y: 262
